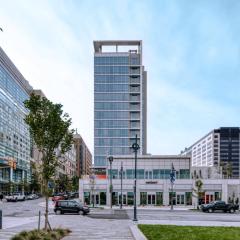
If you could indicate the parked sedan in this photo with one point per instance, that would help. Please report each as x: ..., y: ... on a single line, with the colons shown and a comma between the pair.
x: 70, y: 206
x: 31, y: 197
x: 219, y: 206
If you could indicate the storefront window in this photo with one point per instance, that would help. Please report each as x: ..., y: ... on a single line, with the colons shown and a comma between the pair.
x: 130, y: 198
x: 115, y: 198
x: 184, y: 174
x: 159, y: 198
x: 87, y: 198
x: 129, y: 173
x: 174, y: 198
x: 188, y: 197
x: 143, y: 198
x: 217, y: 196
x: 114, y: 173
x: 155, y: 173
x: 161, y: 174
x: 140, y: 174
x: 146, y: 174
x: 102, y: 198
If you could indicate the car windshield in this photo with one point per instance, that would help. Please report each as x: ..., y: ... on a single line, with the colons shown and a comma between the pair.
x: 78, y: 202
x: 214, y: 202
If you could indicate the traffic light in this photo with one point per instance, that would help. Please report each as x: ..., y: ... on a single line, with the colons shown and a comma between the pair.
x: 10, y: 163
x: 14, y: 165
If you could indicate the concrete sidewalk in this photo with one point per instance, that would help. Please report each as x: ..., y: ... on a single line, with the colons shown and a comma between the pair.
x: 82, y: 227
x: 10, y: 222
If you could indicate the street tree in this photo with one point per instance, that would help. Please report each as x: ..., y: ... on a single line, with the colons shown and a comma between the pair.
x: 75, y: 183
x: 49, y: 128
x: 198, y: 190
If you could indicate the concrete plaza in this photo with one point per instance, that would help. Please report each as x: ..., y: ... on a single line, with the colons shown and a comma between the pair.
x: 105, y: 223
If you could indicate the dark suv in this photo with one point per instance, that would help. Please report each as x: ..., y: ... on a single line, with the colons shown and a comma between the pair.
x: 70, y: 206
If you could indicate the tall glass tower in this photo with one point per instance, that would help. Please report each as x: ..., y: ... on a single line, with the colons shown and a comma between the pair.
x: 120, y: 99
x: 15, y: 141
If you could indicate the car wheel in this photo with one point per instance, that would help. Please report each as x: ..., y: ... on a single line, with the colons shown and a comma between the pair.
x: 231, y: 210
x: 58, y: 212
x: 210, y: 210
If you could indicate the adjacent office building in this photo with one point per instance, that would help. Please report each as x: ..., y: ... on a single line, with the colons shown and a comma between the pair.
x: 120, y: 99
x: 14, y: 132
x: 67, y: 163
x: 83, y: 156
x: 219, y: 148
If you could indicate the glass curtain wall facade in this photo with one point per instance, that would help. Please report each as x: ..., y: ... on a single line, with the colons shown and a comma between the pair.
x: 14, y: 133
x: 229, y: 151
x: 119, y: 100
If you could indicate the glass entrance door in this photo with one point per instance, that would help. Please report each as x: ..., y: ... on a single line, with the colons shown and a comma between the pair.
x: 124, y: 198
x: 180, y: 199
x: 151, y: 199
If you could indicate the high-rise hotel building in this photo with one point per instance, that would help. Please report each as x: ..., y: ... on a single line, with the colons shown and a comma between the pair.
x: 120, y: 99
x: 14, y: 132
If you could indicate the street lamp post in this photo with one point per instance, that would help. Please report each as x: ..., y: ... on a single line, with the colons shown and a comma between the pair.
x: 110, y: 159
x: 135, y: 148
x: 172, y: 179
x: 121, y: 185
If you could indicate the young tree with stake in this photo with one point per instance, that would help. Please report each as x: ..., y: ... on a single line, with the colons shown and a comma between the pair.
x: 49, y: 128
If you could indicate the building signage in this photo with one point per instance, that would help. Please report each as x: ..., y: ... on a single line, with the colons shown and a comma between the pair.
x: 151, y: 182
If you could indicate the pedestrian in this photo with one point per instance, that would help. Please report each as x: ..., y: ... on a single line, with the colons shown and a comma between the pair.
x: 1, y: 197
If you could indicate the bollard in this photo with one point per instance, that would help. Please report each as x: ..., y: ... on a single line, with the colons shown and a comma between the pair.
x: 0, y: 219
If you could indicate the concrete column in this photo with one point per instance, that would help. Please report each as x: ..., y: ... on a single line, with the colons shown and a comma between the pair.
x: 81, y: 191
x: 11, y: 175
x: 138, y: 196
x: 23, y: 176
x: 108, y: 193
x: 225, y: 191
x: 165, y: 193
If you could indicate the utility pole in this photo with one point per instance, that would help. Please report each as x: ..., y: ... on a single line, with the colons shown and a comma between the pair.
x: 135, y: 148
x: 121, y: 185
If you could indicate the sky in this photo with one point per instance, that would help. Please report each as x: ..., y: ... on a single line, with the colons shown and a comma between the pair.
x: 191, y: 51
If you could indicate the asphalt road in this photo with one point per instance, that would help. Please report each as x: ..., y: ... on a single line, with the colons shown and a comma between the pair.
x: 28, y: 208
x: 184, y: 215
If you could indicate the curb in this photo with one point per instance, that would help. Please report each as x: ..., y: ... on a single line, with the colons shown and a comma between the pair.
x: 136, y: 233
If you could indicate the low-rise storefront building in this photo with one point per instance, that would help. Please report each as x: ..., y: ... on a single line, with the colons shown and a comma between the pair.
x: 153, y: 183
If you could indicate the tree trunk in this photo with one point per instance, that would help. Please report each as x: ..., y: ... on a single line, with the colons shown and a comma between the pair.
x: 198, y: 201
x: 46, y: 213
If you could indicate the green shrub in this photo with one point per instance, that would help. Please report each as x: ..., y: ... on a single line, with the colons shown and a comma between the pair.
x: 55, y: 234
